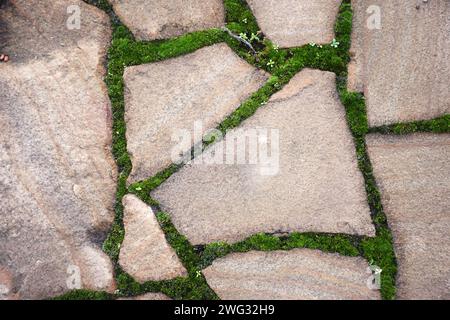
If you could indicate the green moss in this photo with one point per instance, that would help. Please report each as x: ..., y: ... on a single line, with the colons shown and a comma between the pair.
x: 380, y: 252
x: 438, y: 125
x: 240, y: 18
x: 343, y: 244
x: 142, y: 189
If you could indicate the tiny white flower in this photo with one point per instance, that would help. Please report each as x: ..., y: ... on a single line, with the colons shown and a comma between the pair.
x: 335, y: 43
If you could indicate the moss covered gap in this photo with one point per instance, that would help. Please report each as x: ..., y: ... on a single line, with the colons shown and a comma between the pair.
x: 283, y: 64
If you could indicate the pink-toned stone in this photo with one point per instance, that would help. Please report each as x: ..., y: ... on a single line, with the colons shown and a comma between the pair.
x: 162, y: 19
x: 313, y: 186
x: 403, y: 68
x: 145, y: 253
x: 299, y: 274
x: 412, y: 173
x: 165, y: 98
x: 294, y: 23
x: 57, y: 174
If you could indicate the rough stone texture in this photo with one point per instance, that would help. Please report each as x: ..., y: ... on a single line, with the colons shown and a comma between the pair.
x: 413, y: 175
x: 148, y: 296
x: 300, y: 274
x: 162, y: 19
x: 403, y: 69
x: 318, y: 187
x: 57, y: 175
x: 145, y: 253
x: 293, y: 23
x: 165, y: 97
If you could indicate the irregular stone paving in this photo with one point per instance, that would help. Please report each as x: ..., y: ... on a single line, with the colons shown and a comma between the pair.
x: 413, y: 175
x: 164, y: 98
x: 163, y: 19
x: 148, y: 296
x: 318, y: 187
x: 404, y: 67
x: 145, y: 253
x: 57, y: 175
x: 298, y: 274
x: 294, y: 23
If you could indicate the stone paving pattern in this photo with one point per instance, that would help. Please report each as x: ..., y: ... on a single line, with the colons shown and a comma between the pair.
x: 57, y: 174
x: 299, y: 274
x: 58, y: 179
x: 404, y: 67
x: 163, y: 19
x: 318, y: 187
x: 413, y: 175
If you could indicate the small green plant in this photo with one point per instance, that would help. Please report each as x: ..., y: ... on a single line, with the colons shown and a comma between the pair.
x: 243, y: 36
x: 254, y: 37
x: 335, y: 43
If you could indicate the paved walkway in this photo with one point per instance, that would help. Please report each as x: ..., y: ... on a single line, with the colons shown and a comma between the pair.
x: 282, y: 203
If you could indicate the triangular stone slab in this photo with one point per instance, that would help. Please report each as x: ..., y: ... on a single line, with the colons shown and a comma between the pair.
x: 145, y: 253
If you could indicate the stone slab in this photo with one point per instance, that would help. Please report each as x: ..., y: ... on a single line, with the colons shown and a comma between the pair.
x: 412, y: 173
x: 145, y: 253
x: 294, y: 23
x: 404, y: 67
x: 164, y: 98
x: 312, y: 183
x: 163, y: 19
x: 299, y: 274
x: 57, y: 174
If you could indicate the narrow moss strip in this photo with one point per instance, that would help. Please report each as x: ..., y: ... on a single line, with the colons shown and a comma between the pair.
x: 343, y: 244
x: 438, y: 125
